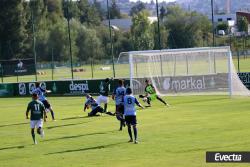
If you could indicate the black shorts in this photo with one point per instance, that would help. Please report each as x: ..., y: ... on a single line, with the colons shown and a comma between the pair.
x: 130, y: 120
x: 46, y: 104
x: 95, y: 111
x: 120, y: 109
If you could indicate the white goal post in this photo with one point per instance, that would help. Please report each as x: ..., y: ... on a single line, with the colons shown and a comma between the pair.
x: 191, y: 71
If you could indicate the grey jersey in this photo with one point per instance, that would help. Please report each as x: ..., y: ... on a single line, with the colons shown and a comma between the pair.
x: 119, y: 93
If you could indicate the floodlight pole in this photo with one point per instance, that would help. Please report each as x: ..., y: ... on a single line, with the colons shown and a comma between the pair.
x: 212, y: 9
x: 70, y: 47
x: 52, y: 64
x: 159, y: 33
x: 111, y: 39
x: 1, y: 73
x: 158, y: 26
x: 34, y: 40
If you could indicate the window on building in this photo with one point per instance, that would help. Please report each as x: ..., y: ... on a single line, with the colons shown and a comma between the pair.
x: 229, y: 19
x: 220, y: 19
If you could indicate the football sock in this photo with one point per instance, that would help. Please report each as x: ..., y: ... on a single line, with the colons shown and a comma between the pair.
x: 105, y: 107
x: 52, y: 114
x: 135, y: 132
x: 33, y: 136
x: 148, y: 101
x: 161, y: 100
x: 130, y: 132
x: 121, y: 124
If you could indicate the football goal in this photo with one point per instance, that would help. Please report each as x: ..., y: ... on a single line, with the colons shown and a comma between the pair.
x: 198, y: 71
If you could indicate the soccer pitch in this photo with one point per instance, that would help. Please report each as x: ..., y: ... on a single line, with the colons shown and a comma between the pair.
x: 175, y: 136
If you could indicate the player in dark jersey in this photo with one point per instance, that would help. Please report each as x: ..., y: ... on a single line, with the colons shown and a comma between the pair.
x: 130, y: 113
x: 151, y: 94
x: 118, y: 95
x: 104, y: 94
x: 96, y: 108
x: 37, y: 114
x: 41, y: 96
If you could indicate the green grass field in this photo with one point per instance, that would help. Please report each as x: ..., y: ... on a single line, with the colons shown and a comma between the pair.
x: 177, y: 136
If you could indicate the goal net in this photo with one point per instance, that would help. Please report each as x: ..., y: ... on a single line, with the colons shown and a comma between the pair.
x: 183, y: 71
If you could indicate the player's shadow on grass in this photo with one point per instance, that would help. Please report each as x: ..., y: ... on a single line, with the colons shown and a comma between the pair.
x: 70, y: 118
x: 88, y: 148
x: 12, y: 147
x: 64, y: 125
x: 77, y: 136
x: 16, y: 124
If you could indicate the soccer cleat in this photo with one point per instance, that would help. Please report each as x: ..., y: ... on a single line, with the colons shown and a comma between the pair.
x: 136, y: 142
x: 35, y: 142
x: 130, y: 141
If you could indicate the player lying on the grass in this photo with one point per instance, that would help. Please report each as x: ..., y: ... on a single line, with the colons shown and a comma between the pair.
x: 130, y: 113
x: 37, y: 114
x: 150, y: 94
x: 118, y: 95
x: 96, y: 108
x: 41, y: 96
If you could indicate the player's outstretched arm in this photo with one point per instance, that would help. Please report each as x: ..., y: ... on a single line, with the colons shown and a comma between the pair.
x: 138, y: 104
x: 141, y: 106
x: 48, y: 91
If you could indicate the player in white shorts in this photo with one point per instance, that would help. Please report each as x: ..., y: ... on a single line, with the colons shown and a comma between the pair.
x: 37, y: 114
x: 104, y: 93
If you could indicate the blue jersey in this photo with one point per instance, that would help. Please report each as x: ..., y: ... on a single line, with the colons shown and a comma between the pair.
x: 119, y: 93
x: 41, y: 93
x: 92, y: 102
x: 129, y: 105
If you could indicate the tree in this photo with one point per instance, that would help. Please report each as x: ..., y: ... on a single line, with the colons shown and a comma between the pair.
x: 186, y: 29
x: 58, y: 40
x: 114, y: 11
x: 89, y: 45
x: 12, y: 29
x: 138, y: 7
x: 72, y: 9
x: 89, y: 14
x: 123, y: 43
x: 223, y: 26
x: 242, y: 24
x: 103, y: 35
x: 141, y: 31
x: 99, y: 9
x: 164, y: 36
x: 162, y: 12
